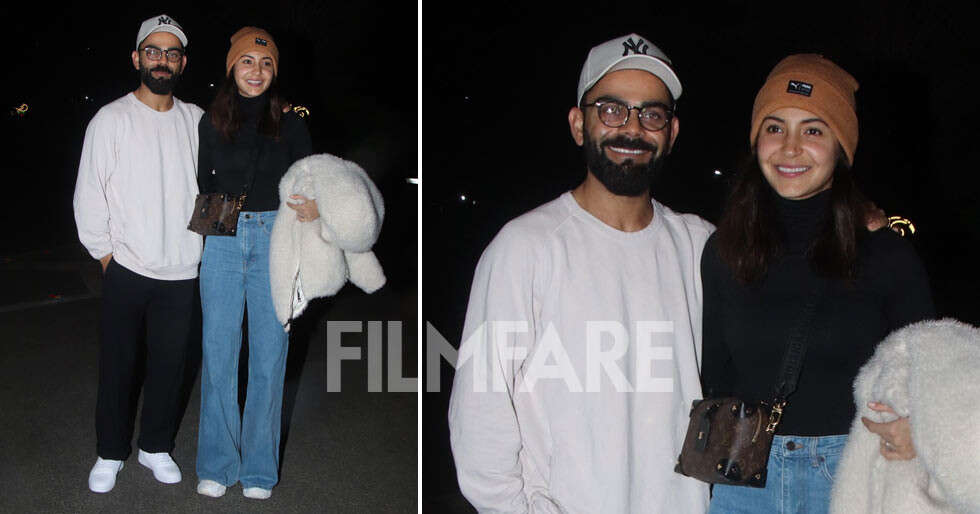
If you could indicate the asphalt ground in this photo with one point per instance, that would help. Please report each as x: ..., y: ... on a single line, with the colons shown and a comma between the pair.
x: 347, y: 451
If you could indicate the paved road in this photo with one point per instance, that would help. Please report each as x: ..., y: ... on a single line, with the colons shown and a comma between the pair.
x: 348, y: 451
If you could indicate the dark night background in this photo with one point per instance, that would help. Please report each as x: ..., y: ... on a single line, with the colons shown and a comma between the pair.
x: 498, y: 80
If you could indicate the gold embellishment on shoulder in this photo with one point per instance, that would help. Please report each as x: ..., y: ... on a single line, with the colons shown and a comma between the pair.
x: 902, y: 226
x: 301, y: 111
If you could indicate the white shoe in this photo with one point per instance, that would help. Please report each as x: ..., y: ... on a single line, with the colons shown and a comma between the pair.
x: 164, y: 468
x: 210, y: 488
x: 102, y: 478
x: 257, y: 493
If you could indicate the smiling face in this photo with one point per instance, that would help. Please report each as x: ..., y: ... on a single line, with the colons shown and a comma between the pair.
x: 624, y: 159
x: 797, y: 153
x: 159, y: 76
x: 253, y: 73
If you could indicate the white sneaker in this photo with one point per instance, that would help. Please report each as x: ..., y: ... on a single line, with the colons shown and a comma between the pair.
x: 164, y: 468
x: 102, y: 478
x: 257, y: 493
x: 210, y: 488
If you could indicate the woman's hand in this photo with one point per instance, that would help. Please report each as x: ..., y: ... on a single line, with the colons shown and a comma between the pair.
x: 896, y: 436
x: 874, y: 217
x: 306, y: 210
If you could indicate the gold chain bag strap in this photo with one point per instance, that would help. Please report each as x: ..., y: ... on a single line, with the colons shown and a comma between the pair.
x: 728, y: 440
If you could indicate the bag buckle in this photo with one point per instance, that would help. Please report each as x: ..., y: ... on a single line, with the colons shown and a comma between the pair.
x: 775, y: 415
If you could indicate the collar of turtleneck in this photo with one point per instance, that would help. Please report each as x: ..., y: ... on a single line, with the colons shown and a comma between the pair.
x: 802, y: 220
x: 252, y: 107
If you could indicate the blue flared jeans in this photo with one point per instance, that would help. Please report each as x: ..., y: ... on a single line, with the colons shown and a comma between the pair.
x: 800, y: 476
x: 234, y: 274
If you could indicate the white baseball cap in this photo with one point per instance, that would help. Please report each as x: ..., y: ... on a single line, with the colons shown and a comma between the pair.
x: 161, y: 23
x: 630, y: 52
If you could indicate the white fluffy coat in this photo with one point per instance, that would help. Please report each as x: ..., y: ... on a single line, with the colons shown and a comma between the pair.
x: 927, y: 371
x: 312, y: 259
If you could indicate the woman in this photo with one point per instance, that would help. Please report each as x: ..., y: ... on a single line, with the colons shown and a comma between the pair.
x: 795, y: 220
x: 246, y: 144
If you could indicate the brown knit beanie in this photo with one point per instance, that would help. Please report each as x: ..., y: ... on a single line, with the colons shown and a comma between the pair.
x: 249, y: 39
x: 812, y: 83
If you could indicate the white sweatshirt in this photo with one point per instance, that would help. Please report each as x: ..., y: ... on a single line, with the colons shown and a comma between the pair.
x: 137, y: 180
x: 601, y: 438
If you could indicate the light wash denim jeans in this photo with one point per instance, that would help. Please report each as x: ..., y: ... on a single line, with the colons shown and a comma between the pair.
x: 235, y: 273
x: 800, y: 475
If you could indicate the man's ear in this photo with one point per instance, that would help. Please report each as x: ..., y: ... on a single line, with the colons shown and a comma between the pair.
x: 576, y: 119
x: 136, y: 59
x: 675, y: 127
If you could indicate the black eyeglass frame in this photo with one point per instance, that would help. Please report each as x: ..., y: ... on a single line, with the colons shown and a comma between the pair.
x: 168, y: 52
x: 668, y: 113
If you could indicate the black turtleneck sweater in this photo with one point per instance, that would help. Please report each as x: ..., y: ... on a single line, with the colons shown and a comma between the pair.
x: 223, y: 166
x: 746, y: 327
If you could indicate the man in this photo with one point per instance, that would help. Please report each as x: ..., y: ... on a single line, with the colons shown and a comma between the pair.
x: 583, y: 331
x: 133, y: 199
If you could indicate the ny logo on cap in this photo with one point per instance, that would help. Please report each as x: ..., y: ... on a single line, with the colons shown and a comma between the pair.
x: 799, y: 88
x: 639, y: 47
x: 164, y: 20
x: 261, y: 42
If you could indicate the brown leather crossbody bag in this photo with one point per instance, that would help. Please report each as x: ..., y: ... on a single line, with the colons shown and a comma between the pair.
x: 216, y: 214
x: 728, y: 440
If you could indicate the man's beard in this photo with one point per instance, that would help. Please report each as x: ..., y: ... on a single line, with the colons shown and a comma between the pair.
x: 162, y: 85
x: 628, y: 178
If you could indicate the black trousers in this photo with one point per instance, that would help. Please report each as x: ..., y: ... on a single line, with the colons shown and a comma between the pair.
x: 134, y: 306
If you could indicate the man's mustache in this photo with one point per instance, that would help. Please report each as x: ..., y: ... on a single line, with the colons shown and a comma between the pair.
x: 631, y: 144
x: 162, y: 68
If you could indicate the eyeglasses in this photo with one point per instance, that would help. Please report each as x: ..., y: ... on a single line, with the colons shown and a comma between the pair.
x: 155, y: 54
x: 615, y: 114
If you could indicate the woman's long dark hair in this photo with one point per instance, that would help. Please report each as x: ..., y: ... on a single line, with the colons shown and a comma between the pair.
x: 750, y: 236
x: 227, y: 119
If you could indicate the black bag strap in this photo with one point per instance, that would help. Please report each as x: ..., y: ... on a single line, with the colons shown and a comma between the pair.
x: 254, y: 155
x: 789, y: 375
